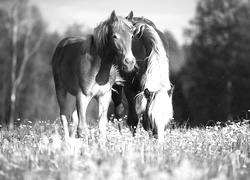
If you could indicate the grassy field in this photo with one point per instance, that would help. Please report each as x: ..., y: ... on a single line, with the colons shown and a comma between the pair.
x: 36, y: 151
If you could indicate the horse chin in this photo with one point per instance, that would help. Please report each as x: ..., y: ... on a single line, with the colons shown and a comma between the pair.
x: 128, y: 69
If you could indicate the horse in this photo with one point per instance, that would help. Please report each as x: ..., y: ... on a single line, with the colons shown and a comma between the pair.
x: 83, y: 67
x: 148, y: 89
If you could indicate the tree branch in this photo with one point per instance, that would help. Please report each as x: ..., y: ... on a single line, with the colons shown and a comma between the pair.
x: 28, y: 54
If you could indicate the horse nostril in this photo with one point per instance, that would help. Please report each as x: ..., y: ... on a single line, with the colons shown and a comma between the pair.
x: 126, y: 61
x: 147, y: 93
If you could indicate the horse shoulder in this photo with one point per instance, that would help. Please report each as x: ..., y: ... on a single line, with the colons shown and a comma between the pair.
x: 88, y: 66
x: 89, y: 55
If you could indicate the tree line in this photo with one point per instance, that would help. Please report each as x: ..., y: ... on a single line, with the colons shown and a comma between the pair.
x: 215, y: 80
x: 210, y: 71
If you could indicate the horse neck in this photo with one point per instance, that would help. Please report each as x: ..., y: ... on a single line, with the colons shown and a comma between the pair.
x: 107, y: 57
x: 151, y: 40
x: 147, y: 45
x: 157, y: 72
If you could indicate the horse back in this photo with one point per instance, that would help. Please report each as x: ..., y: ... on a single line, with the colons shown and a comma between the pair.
x: 64, y: 62
x: 67, y: 47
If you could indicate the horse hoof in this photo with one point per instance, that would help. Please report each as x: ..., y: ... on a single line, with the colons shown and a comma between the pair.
x: 133, y: 130
x: 82, y: 133
x: 119, y: 110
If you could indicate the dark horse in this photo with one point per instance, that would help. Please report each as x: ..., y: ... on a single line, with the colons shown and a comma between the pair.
x: 148, y: 89
x: 84, y: 68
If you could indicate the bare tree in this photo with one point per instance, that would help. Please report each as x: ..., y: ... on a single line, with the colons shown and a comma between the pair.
x: 22, y: 27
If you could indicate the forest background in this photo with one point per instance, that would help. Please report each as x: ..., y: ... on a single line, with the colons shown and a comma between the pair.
x: 210, y: 70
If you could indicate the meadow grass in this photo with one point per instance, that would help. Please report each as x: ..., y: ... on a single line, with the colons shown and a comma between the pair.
x: 36, y: 151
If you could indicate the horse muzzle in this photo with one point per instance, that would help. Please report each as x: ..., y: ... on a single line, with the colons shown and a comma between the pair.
x: 129, y: 64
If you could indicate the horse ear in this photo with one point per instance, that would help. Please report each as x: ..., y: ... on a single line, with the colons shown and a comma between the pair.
x: 130, y: 16
x: 113, y: 15
x: 139, y: 29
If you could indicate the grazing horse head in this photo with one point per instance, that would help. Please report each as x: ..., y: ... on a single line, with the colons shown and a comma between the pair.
x: 114, y: 36
x: 155, y: 99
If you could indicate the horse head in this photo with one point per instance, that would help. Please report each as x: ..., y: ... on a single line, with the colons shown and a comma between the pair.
x: 116, y: 33
x: 156, y: 107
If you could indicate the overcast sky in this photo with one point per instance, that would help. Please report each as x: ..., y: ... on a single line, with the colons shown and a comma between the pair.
x: 172, y: 15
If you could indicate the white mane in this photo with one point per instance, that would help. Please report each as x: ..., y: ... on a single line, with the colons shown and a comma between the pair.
x: 157, y: 72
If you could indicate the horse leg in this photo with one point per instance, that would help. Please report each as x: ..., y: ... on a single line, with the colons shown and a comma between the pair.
x: 82, y: 102
x: 74, y: 123
x: 158, y: 128
x: 117, y: 99
x: 61, y: 98
x: 160, y: 132
x: 132, y: 115
x: 103, y: 102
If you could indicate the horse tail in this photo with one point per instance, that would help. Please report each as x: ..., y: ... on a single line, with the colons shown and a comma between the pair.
x: 56, y: 58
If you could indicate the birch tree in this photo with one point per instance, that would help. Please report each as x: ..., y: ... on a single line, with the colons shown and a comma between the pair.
x: 23, y: 46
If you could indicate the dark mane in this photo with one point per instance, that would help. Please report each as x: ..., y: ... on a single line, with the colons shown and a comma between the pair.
x: 143, y: 20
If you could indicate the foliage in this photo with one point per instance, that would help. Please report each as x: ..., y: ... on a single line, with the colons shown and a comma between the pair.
x: 176, y: 54
x: 38, y: 95
x: 76, y: 30
x: 22, y: 34
x: 36, y: 151
x: 215, y: 79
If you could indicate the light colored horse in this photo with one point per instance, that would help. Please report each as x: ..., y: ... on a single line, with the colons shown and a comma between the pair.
x: 151, y: 80
x: 84, y: 68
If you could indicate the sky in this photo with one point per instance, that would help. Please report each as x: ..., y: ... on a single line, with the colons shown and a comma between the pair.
x: 171, y: 15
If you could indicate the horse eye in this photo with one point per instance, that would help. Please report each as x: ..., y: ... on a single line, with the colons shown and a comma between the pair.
x: 114, y: 36
x: 147, y: 93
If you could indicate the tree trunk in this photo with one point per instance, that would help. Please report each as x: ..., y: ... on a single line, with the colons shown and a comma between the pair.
x: 28, y: 52
x: 13, y: 69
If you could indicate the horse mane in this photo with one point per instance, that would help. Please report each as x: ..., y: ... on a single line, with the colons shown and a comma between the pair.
x: 157, y: 72
x: 144, y: 21
x: 158, y: 107
x: 101, y: 32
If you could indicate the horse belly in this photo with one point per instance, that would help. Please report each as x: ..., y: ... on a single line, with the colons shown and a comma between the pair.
x: 71, y: 87
x: 68, y: 77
